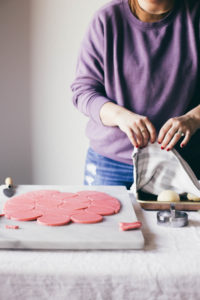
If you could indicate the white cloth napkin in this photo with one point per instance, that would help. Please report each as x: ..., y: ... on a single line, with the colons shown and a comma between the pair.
x: 156, y: 170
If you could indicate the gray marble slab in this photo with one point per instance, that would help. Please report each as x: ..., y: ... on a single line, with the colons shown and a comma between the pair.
x: 103, y: 235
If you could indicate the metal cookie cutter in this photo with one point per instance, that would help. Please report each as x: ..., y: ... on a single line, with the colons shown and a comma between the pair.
x: 172, y: 217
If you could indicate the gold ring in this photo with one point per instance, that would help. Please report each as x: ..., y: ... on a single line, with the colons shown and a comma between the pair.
x: 180, y: 132
x: 143, y: 130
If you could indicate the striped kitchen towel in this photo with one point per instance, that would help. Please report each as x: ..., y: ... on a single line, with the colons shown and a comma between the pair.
x: 156, y: 170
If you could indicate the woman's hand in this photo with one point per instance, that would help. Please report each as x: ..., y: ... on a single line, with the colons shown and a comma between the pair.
x: 138, y: 128
x: 176, y: 128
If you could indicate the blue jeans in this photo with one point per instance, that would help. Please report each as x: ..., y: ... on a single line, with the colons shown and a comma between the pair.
x: 100, y: 170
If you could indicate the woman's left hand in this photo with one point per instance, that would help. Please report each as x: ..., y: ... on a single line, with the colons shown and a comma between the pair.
x: 176, y: 128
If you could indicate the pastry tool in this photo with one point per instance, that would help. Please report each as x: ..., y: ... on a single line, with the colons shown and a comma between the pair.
x: 172, y: 217
x: 9, y: 190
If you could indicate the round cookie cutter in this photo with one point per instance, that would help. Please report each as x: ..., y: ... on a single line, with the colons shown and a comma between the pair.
x: 172, y: 217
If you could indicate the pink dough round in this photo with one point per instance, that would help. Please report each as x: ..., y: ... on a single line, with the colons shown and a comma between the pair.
x: 113, y: 204
x: 69, y: 212
x: 78, y: 199
x: 23, y: 215
x: 48, y: 202
x: 100, y: 196
x: 87, y: 193
x: 8, y: 207
x: 86, y: 218
x: 52, y: 220
x: 73, y: 206
x: 66, y: 196
x: 103, y: 211
x: 21, y: 199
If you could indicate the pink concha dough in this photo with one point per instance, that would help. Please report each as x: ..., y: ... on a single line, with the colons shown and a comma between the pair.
x: 8, y: 207
x: 21, y: 199
x: 79, y: 199
x: 69, y: 212
x: 48, y: 202
x: 110, y: 200
x: 103, y: 211
x: 102, y: 199
x: 101, y: 196
x: 87, y: 193
x: 112, y: 204
x: 55, y: 208
x: 86, y: 218
x: 95, y: 195
x: 65, y: 196
x: 73, y: 206
x: 53, y: 220
x: 23, y: 215
x: 51, y: 211
x: 42, y: 193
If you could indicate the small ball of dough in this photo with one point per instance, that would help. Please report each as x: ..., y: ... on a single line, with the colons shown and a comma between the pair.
x: 193, y: 197
x: 168, y: 196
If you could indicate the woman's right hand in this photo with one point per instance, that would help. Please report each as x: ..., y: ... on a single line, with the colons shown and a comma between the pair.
x: 138, y: 128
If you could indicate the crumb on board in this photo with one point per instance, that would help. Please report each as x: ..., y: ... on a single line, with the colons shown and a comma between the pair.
x: 11, y: 226
x: 128, y: 226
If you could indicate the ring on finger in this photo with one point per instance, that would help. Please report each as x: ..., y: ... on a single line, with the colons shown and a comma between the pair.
x: 143, y: 130
x: 180, y: 132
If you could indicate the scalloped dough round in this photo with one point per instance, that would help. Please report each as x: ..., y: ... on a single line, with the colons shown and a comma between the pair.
x: 168, y: 196
x: 193, y: 197
x: 54, y: 208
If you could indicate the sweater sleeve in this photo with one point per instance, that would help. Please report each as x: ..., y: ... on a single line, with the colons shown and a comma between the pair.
x: 88, y: 87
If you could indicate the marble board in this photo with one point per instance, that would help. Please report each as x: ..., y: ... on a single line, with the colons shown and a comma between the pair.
x: 103, y: 235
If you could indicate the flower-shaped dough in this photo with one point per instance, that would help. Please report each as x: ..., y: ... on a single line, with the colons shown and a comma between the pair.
x: 54, y: 208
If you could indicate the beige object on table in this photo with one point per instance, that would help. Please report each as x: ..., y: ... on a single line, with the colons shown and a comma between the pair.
x: 168, y: 195
x: 193, y: 197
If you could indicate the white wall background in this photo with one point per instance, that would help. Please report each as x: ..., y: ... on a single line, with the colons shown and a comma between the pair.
x: 42, y: 135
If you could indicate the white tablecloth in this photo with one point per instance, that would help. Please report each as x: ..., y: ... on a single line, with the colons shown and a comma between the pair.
x: 167, y: 268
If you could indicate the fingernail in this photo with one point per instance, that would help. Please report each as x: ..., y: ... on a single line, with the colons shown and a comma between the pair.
x: 137, y: 146
x: 159, y: 142
x: 162, y: 148
x: 182, y: 145
x: 168, y: 149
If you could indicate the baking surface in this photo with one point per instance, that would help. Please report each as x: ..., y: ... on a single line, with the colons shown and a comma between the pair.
x: 104, y: 235
x: 167, y: 268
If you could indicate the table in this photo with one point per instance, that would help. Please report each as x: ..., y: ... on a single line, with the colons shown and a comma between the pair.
x: 167, y: 268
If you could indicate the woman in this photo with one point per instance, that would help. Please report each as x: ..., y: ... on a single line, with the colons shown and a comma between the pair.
x: 137, y: 79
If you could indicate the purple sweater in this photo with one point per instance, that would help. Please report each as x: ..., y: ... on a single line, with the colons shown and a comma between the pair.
x: 151, y: 69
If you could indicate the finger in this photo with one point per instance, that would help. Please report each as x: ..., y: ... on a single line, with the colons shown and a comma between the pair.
x: 164, y: 129
x: 138, y: 136
x: 151, y: 129
x: 186, y: 139
x: 142, y: 132
x: 173, y: 141
x: 172, y: 136
x: 132, y: 138
x: 145, y: 135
